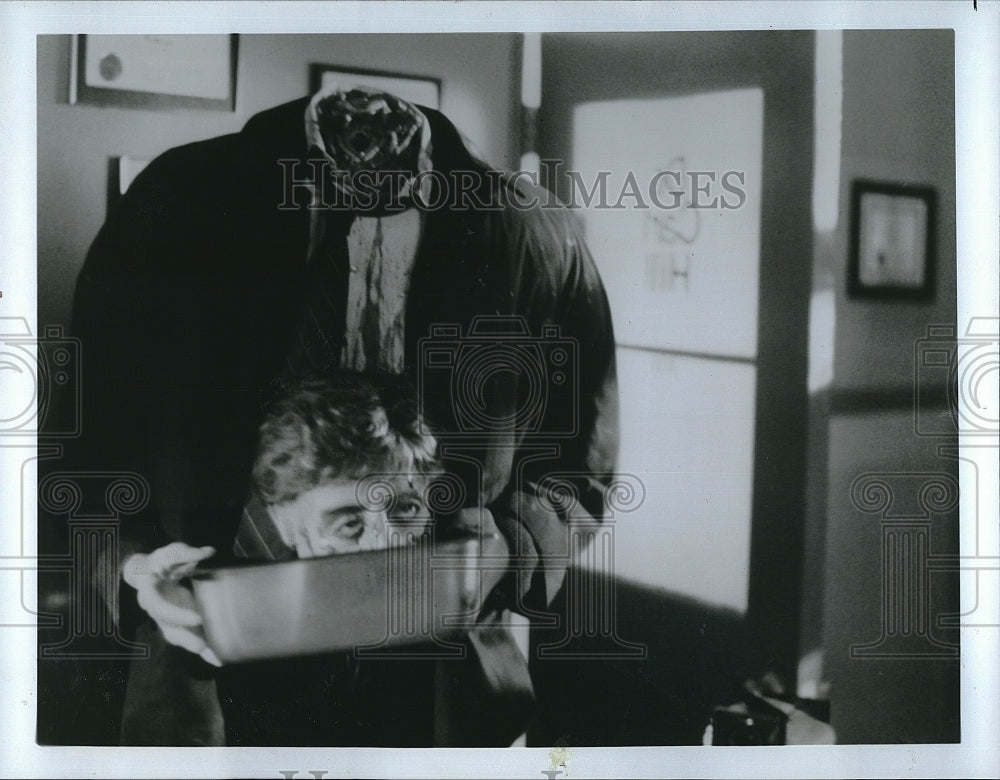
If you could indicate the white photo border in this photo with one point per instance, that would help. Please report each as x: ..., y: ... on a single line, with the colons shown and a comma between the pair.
x: 977, y: 75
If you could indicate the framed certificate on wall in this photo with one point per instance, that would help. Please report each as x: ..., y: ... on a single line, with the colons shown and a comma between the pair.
x: 892, y: 241
x: 155, y: 71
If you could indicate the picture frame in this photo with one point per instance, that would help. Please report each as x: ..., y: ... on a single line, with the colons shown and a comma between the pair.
x: 155, y: 71
x: 420, y: 90
x: 892, y: 241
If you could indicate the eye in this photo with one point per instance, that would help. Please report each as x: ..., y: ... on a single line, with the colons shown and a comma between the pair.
x: 352, y: 528
x: 407, y: 509
x: 345, y: 525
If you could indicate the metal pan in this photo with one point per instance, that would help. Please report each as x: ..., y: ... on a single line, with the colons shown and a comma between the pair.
x: 368, y: 602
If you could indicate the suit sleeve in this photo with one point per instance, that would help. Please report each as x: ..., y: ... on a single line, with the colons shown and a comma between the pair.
x: 560, y: 471
x: 108, y: 319
x: 129, y: 312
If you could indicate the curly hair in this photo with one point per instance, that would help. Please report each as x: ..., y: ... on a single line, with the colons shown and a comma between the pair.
x: 343, y: 424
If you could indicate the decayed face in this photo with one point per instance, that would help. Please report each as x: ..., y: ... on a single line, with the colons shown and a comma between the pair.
x: 330, y: 519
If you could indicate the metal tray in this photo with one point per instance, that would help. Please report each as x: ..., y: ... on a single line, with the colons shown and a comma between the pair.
x: 368, y: 602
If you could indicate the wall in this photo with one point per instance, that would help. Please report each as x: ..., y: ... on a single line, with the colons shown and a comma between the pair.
x: 479, y: 90
x: 898, y: 126
x: 899, y: 120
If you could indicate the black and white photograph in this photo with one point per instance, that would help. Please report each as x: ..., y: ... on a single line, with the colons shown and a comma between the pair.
x: 384, y: 380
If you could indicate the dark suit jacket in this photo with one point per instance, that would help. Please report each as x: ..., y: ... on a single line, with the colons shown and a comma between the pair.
x: 188, y: 297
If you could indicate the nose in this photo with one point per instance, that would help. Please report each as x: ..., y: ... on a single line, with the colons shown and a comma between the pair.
x: 374, y: 535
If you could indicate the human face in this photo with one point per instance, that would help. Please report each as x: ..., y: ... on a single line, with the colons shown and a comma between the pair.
x: 328, y: 519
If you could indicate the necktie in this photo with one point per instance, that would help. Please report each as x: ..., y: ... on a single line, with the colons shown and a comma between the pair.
x: 383, y: 252
x: 319, y: 332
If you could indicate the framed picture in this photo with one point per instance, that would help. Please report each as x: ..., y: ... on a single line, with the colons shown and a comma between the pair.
x: 155, y: 71
x: 422, y: 90
x: 892, y: 241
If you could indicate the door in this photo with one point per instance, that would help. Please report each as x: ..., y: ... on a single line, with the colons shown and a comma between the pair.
x: 689, y: 158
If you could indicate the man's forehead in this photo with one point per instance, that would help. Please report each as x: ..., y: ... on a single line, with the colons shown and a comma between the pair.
x: 409, y: 483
